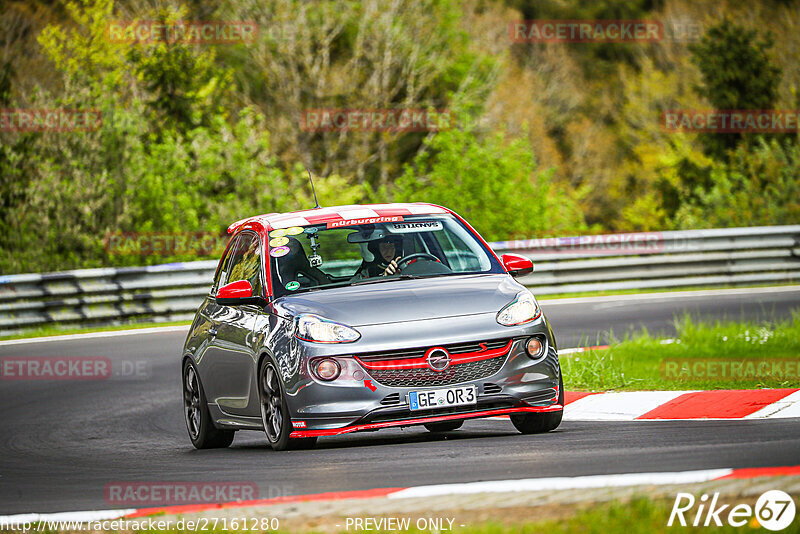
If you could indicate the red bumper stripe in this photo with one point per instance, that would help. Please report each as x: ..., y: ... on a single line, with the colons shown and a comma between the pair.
x: 421, y: 420
x: 421, y: 363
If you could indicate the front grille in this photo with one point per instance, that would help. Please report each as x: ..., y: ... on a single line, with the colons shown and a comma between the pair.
x: 453, y: 349
x: 426, y: 377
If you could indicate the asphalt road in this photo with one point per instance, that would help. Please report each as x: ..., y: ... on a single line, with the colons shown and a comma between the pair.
x: 62, y: 442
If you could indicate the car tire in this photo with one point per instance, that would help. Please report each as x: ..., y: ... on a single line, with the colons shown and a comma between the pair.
x: 202, y: 431
x: 538, y: 423
x: 444, y: 426
x: 275, y: 412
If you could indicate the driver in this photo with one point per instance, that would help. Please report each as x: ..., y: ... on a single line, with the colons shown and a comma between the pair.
x: 386, y: 252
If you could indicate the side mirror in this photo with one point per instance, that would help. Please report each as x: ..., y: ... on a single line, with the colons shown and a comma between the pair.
x: 517, y: 265
x: 235, y: 293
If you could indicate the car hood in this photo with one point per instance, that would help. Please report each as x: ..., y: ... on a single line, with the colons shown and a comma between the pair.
x: 404, y: 300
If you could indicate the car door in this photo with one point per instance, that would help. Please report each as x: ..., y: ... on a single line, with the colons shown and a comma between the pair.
x: 229, y: 361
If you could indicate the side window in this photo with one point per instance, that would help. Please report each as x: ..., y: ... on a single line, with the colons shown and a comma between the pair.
x: 244, y: 263
x: 221, y: 274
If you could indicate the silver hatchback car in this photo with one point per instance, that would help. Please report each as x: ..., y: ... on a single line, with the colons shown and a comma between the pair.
x: 354, y: 318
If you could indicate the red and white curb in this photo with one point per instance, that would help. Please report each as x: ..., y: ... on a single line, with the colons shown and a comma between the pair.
x: 682, y: 405
x: 494, y: 486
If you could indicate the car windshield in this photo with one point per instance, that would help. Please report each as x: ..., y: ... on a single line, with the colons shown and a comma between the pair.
x: 335, y: 254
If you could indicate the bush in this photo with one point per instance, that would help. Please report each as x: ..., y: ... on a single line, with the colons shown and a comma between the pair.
x: 493, y: 182
x: 759, y: 186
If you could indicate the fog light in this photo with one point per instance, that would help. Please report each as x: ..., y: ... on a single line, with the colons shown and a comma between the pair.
x: 535, y: 347
x: 328, y: 369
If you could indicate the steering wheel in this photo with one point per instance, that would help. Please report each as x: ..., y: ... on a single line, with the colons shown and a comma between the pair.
x: 405, y: 260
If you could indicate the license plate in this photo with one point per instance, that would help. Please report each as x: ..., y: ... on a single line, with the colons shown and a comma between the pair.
x: 442, y: 398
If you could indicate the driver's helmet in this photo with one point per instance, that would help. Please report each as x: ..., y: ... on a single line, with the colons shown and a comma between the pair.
x: 374, y: 247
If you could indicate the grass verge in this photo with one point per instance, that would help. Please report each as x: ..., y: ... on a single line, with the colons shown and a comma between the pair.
x: 638, y: 515
x: 720, y: 355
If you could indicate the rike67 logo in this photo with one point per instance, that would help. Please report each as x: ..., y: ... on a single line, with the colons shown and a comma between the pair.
x: 774, y: 510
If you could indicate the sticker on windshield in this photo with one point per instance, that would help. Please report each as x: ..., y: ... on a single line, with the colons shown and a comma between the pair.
x: 415, y: 226
x: 280, y: 232
x: 277, y: 252
x: 279, y: 242
x: 294, y: 230
x: 293, y: 285
x: 367, y: 220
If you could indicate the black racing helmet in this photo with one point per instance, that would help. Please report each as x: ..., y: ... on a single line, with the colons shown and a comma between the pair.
x: 373, y: 246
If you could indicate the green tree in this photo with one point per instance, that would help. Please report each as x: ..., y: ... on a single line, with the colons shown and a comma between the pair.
x: 758, y: 186
x: 738, y: 73
x: 368, y: 54
x: 493, y: 182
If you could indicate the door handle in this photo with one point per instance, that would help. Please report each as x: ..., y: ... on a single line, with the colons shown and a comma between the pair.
x: 213, y: 331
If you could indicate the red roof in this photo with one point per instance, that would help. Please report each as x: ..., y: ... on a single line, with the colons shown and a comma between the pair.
x: 338, y: 213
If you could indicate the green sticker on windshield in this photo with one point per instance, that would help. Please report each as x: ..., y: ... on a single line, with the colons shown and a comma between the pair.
x: 293, y: 285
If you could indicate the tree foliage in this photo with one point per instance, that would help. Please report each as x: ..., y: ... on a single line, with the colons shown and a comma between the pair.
x: 551, y: 138
x: 738, y: 73
x: 493, y: 182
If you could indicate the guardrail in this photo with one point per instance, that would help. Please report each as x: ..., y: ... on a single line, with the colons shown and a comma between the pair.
x: 652, y: 260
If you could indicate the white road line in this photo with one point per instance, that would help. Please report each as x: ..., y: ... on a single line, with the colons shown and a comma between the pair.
x: 92, y: 335
x: 671, y: 295
x: 493, y: 486
x: 562, y: 483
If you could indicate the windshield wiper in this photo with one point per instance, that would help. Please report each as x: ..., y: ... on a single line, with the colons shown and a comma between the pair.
x: 384, y: 279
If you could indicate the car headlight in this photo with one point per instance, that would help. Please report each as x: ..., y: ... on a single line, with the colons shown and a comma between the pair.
x: 314, y: 328
x: 523, y: 309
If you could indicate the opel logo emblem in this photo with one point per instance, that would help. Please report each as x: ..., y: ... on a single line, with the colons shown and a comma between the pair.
x: 438, y: 359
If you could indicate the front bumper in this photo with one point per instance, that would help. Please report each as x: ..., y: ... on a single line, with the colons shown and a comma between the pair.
x: 363, y: 399
x: 424, y: 420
